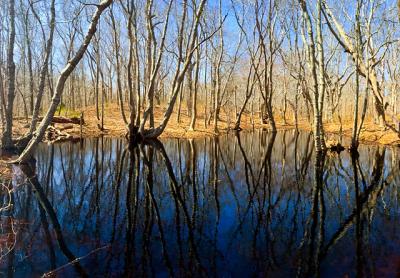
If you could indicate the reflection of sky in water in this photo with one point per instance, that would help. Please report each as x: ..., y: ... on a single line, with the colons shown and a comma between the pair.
x: 232, y: 225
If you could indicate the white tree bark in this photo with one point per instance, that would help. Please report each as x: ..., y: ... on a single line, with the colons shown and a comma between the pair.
x: 312, y: 55
x: 179, y: 77
x: 65, y: 73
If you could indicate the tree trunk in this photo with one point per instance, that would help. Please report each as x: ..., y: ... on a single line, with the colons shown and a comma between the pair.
x: 344, y: 41
x: 44, y: 70
x: 29, y: 58
x: 65, y: 73
x: 249, y: 92
x: 217, y: 103
x: 118, y: 67
x: 354, y: 138
x: 311, y: 49
x: 179, y: 77
x: 196, y: 88
x: 6, y: 139
x: 2, y: 99
x: 156, y: 61
x: 321, y: 75
x: 178, y: 113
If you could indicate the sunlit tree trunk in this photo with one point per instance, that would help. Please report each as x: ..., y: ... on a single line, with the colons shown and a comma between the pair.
x: 339, y: 33
x: 6, y: 139
x: 217, y: 105
x: 118, y: 66
x: 312, y: 57
x: 156, y: 63
x: 178, y: 78
x: 44, y: 70
x: 29, y: 59
x: 321, y: 75
x: 354, y: 138
x: 250, y: 82
x: 195, y: 92
x: 65, y: 73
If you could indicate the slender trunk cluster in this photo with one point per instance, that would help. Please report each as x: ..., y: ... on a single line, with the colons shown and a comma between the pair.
x: 184, y: 61
x: 65, y: 73
x: 8, y: 104
x: 151, y: 59
x: 44, y: 70
x: 364, y: 67
x: 265, y: 26
x: 317, y: 67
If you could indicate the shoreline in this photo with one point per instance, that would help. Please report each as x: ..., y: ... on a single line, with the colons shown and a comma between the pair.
x: 115, y: 127
x: 372, y: 140
x: 182, y: 133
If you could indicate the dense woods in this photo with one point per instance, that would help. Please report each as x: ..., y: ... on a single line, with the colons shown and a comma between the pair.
x: 277, y: 61
x: 199, y: 138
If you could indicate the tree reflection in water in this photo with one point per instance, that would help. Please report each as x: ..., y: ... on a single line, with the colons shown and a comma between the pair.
x: 249, y: 204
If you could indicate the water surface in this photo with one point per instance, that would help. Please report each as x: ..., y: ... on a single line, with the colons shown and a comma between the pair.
x: 256, y: 204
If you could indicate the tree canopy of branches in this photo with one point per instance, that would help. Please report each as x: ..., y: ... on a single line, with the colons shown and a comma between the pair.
x: 285, y: 61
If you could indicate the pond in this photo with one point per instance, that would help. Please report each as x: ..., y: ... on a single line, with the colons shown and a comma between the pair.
x: 257, y: 204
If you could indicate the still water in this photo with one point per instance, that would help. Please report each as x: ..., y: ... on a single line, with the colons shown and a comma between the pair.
x: 256, y: 204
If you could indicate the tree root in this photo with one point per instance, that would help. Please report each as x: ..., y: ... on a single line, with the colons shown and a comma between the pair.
x: 53, y: 135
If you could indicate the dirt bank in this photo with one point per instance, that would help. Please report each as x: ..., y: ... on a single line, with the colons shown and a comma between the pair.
x: 114, y: 126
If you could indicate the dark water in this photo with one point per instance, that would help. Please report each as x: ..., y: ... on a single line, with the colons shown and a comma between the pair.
x: 255, y: 205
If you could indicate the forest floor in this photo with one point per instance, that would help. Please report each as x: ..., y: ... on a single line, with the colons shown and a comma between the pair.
x: 114, y: 126
x: 371, y: 133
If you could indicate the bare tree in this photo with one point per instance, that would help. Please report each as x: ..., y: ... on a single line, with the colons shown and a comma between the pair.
x: 363, y: 66
x: 43, y: 71
x: 354, y: 138
x: 316, y: 65
x: 183, y: 64
x: 38, y: 135
x: 196, y: 89
x: 153, y: 62
x: 6, y: 139
x: 118, y: 65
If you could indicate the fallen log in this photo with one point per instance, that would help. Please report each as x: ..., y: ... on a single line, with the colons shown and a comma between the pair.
x: 65, y: 127
x: 65, y: 120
